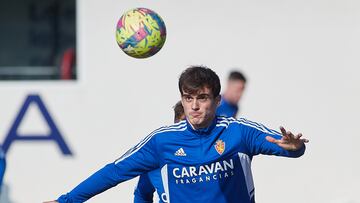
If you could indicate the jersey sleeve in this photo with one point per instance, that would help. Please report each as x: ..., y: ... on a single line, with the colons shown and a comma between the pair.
x: 138, y: 160
x: 254, y: 137
x: 144, y: 190
x: 2, y: 166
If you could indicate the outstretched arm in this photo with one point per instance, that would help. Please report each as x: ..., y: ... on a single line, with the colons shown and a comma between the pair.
x: 136, y: 161
x: 288, y: 141
x: 262, y: 140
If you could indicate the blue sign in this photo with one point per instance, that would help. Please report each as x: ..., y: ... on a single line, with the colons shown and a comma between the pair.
x: 54, y: 135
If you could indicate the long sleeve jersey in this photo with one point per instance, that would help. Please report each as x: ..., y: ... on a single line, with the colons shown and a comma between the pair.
x: 204, y: 165
x: 149, y: 183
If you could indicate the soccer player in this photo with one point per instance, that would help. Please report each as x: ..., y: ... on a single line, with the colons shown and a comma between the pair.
x: 230, y: 98
x: 151, y: 181
x: 179, y: 114
x: 202, y: 159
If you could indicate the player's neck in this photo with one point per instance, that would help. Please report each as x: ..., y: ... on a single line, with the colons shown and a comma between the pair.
x: 205, y: 124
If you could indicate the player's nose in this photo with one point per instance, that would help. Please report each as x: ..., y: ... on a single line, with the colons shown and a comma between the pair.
x: 195, y: 105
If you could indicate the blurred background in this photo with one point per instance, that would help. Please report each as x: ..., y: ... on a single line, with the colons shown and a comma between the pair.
x: 38, y: 39
x: 72, y: 101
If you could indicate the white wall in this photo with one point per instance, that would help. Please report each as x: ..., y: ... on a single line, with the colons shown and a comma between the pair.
x: 302, y: 60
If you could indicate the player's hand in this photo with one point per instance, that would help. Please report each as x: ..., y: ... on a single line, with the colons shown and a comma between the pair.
x: 51, y: 201
x: 288, y: 141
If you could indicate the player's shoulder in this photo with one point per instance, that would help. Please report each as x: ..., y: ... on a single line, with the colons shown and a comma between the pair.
x: 231, y: 121
x: 171, y: 129
x: 225, y: 121
x: 243, y: 124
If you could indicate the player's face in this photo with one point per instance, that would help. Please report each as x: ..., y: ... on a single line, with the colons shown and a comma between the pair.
x: 236, y: 90
x: 200, y: 107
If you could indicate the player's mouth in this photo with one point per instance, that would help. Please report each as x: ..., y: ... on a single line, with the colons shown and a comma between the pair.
x: 195, y: 115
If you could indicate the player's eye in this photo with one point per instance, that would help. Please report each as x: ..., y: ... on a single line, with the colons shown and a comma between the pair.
x: 188, y: 98
x: 203, y: 98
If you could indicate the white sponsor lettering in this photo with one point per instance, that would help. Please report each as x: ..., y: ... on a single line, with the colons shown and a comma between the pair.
x: 218, y: 167
x: 174, y: 173
x: 184, y: 173
x: 227, y: 164
x: 202, y: 170
x: 208, y: 172
x: 192, y: 171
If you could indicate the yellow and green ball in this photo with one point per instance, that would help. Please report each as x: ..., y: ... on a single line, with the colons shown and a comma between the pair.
x: 140, y: 32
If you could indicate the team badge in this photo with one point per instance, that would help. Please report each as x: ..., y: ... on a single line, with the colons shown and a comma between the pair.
x: 220, y: 146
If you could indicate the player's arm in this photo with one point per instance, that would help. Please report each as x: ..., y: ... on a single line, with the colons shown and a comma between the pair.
x: 262, y: 140
x: 144, y: 190
x: 139, y: 159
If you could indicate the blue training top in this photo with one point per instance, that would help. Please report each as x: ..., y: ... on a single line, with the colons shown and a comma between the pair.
x: 204, y: 165
x: 148, y: 183
x: 226, y: 108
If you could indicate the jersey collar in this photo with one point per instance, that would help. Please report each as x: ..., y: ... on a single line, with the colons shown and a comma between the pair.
x: 202, y: 131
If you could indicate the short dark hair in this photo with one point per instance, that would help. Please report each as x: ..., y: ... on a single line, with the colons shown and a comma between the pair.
x: 179, y: 113
x: 196, y: 77
x: 237, y: 75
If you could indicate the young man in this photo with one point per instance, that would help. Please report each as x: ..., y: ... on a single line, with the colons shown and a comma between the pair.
x: 151, y: 181
x: 234, y: 90
x: 203, y: 159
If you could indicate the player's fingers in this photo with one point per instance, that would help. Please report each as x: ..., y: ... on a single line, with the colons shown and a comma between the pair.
x: 290, y: 134
x: 296, y: 137
x: 283, y: 131
x: 304, y: 140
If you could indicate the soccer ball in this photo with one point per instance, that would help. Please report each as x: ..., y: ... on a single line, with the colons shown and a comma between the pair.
x: 140, y: 32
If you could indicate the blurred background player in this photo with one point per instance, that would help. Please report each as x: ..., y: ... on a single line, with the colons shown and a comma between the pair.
x: 151, y: 181
x: 230, y: 98
x: 178, y: 112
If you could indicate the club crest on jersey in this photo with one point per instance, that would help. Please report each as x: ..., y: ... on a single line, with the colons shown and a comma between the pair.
x: 220, y: 146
